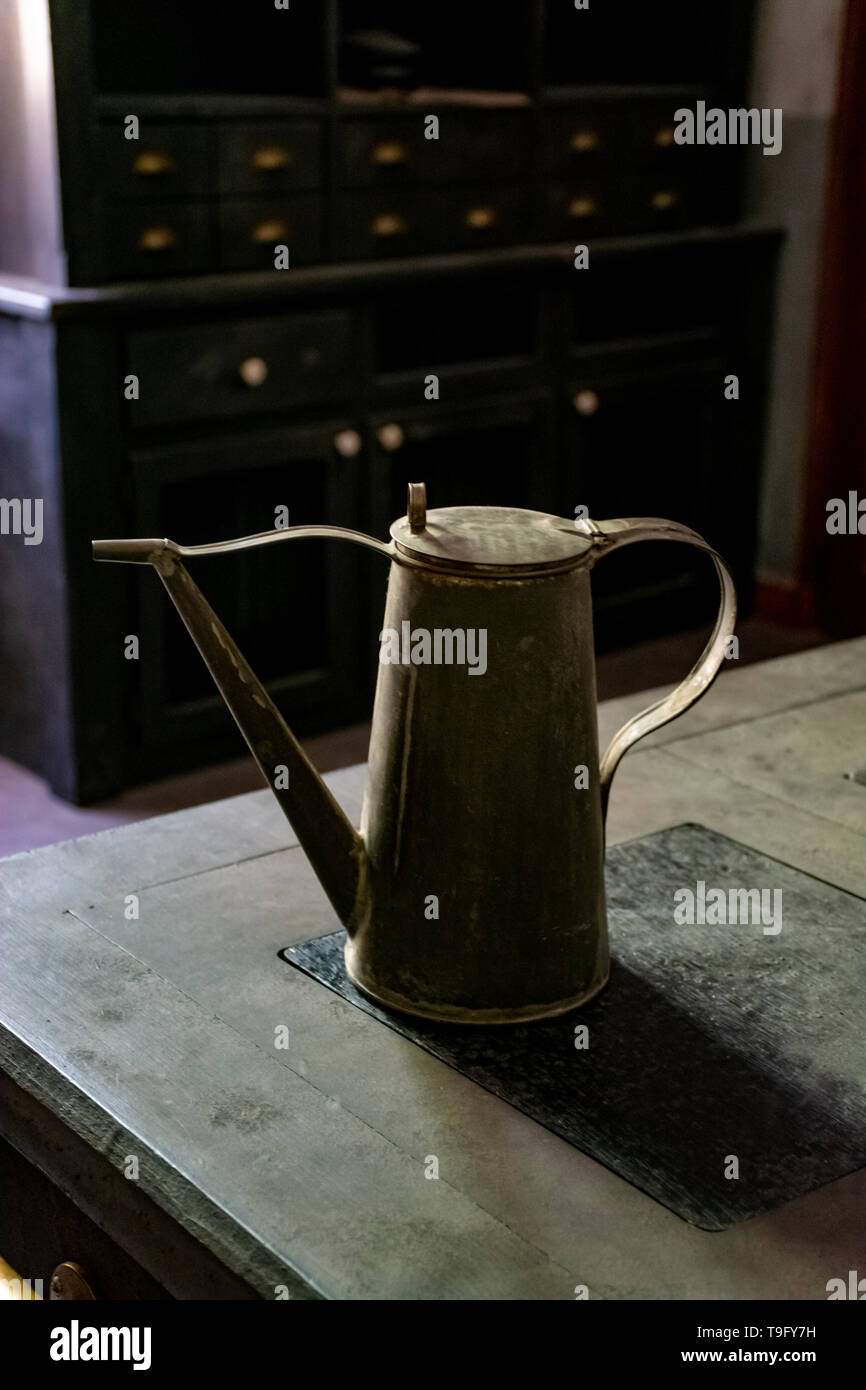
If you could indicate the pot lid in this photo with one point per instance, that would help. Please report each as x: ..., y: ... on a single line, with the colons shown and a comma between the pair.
x: 491, y: 539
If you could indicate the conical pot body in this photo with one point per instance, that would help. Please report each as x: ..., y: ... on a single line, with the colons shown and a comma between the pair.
x: 483, y: 899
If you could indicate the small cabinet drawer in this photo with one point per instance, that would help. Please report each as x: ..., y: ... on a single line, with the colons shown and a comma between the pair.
x: 236, y: 368
x: 391, y: 152
x: 659, y: 202
x: 582, y: 206
x: 269, y: 157
x: 387, y: 152
x: 167, y: 161
x: 251, y: 229
x: 383, y: 224
x: 160, y: 238
x: 578, y: 139
x: 473, y: 218
x: 650, y: 129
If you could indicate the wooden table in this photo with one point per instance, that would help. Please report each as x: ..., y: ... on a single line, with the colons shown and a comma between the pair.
x: 155, y: 1133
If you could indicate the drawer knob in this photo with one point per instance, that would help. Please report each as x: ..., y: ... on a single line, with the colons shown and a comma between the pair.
x: 389, y: 224
x: 152, y: 163
x: 391, y: 437
x: 584, y: 140
x: 347, y: 443
x: 69, y: 1283
x: 272, y: 157
x: 390, y: 152
x: 254, y: 371
x: 584, y: 206
x: 157, y: 239
x: 479, y: 218
x: 586, y: 402
x: 271, y: 230
x: 664, y: 199
x: 664, y: 136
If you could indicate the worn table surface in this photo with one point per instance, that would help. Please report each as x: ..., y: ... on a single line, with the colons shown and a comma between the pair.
x: 154, y: 1038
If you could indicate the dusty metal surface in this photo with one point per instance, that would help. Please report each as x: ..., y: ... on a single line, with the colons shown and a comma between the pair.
x: 712, y: 1042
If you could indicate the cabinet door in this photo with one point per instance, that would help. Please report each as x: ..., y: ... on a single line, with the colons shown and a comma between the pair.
x: 293, y: 608
x: 663, y: 443
x: 496, y: 455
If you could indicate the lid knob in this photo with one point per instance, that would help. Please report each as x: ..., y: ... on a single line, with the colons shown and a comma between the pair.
x: 416, y: 509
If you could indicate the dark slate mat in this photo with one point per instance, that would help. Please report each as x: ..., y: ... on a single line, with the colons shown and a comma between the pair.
x: 709, y: 1041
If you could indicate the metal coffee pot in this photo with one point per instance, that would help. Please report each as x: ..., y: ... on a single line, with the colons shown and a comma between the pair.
x: 474, y: 891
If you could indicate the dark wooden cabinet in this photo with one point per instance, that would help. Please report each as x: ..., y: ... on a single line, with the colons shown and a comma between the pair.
x: 158, y: 374
x: 199, y: 135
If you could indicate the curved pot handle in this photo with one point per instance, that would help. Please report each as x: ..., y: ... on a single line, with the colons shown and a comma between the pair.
x: 610, y: 535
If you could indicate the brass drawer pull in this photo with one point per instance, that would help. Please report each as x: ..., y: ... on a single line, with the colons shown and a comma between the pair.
x: 391, y: 437
x: 347, y: 443
x: 389, y: 224
x: 479, y: 218
x: 271, y: 230
x: 69, y: 1283
x: 390, y: 152
x: 157, y: 239
x: 253, y: 371
x: 586, y: 402
x: 151, y: 163
x: 664, y: 199
x: 272, y: 157
x: 582, y: 141
x: 664, y: 136
x: 583, y: 206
